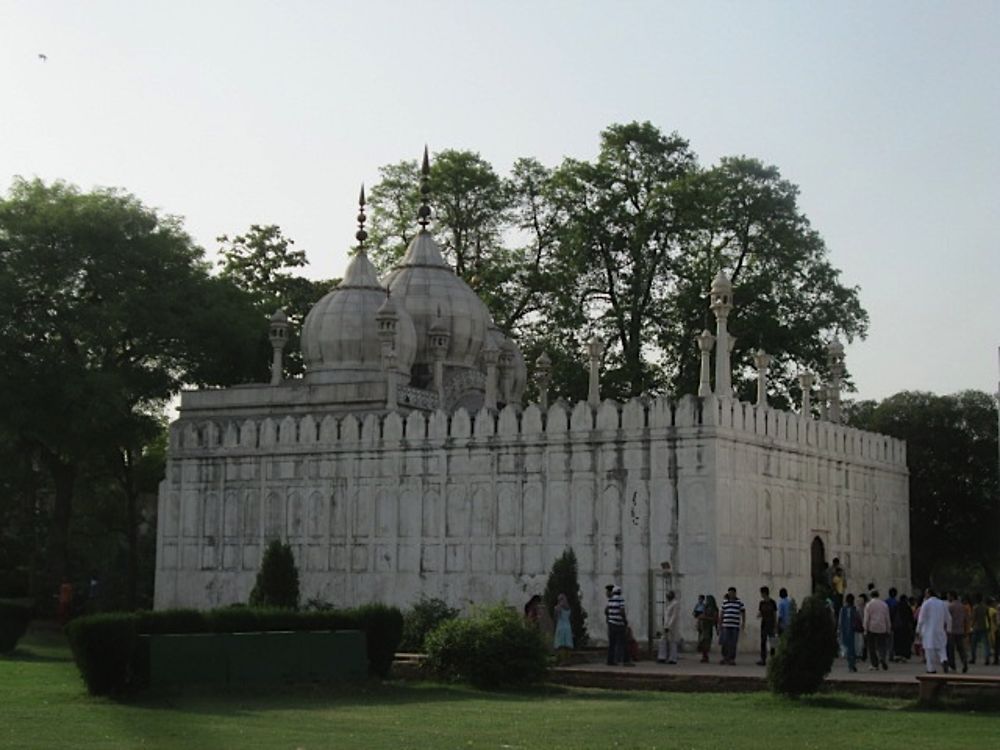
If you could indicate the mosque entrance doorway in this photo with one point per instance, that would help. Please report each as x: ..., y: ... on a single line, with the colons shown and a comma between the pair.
x: 818, y: 566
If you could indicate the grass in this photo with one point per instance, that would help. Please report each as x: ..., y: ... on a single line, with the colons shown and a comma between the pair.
x: 43, y: 704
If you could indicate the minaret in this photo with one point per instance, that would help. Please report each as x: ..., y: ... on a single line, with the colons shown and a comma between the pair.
x: 543, y: 373
x: 761, y: 361
x: 705, y: 342
x: 490, y: 356
x: 596, y: 350
x: 835, y: 361
x: 806, y: 380
x: 279, y: 338
x: 440, y: 337
x: 821, y: 397
x: 721, y: 304
x: 506, y: 365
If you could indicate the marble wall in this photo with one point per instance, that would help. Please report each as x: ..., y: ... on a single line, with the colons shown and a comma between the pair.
x: 695, y: 495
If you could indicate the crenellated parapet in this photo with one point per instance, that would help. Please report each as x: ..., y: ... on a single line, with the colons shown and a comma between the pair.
x: 636, y: 418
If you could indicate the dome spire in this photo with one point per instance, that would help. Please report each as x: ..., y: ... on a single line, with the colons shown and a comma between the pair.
x: 424, y: 214
x: 361, y: 235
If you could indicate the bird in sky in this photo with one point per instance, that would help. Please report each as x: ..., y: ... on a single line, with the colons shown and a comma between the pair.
x: 43, y: 58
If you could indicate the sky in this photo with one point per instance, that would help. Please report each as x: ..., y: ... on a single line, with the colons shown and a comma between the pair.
x: 885, y: 114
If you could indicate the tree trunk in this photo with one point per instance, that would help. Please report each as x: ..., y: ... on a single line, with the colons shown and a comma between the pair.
x: 64, y: 479
x: 132, y: 528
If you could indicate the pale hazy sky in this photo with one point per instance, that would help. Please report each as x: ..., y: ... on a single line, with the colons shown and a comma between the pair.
x: 886, y: 114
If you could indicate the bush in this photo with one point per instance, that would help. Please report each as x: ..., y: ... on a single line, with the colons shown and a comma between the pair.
x: 104, y: 649
x: 806, y: 651
x: 14, y: 619
x: 112, y: 659
x: 384, y: 627
x: 494, y: 647
x: 564, y: 580
x: 277, y: 583
x: 425, y: 616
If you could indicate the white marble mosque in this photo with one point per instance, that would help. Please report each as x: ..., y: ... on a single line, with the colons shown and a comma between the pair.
x: 405, y: 463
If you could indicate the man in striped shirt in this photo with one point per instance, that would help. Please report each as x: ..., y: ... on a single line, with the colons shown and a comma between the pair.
x: 733, y: 619
x: 614, y: 614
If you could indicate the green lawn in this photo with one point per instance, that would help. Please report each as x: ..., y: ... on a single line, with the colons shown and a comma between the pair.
x: 43, y: 704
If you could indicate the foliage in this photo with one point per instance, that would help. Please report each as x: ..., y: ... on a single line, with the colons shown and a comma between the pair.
x: 104, y: 649
x: 106, y: 308
x: 564, y: 579
x: 951, y: 452
x: 626, y: 246
x: 41, y: 683
x: 112, y: 659
x: 14, y: 619
x: 805, y: 652
x: 494, y: 647
x: 424, y: 617
x: 260, y: 262
x: 277, y: 583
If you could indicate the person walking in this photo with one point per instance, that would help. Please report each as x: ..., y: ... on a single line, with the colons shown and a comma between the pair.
x: 956, y: 632
x: 933, y: 624
x: 671, y: 618
x: 877, y: 626
x: 848, y: 625
x: 980, y: 629
x: 767, y: 613
x: 786, y: 609
x: 707, y: 621
x: 733, y: 618
x: 902, y: 629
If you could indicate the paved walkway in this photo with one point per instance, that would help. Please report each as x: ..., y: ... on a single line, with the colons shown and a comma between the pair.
x: 689, y: 674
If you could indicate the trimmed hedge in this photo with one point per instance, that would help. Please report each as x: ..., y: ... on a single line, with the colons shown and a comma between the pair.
x: 112, y: 659
x: 14, y: 619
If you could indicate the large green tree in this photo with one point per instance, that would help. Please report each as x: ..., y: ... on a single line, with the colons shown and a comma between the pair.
x: 625, y: 246
x: 951, y: 452
x: 106, y: 309
x: 261, y: 262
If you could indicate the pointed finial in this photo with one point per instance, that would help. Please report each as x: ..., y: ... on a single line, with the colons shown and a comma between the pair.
x: 424, y: 214
x: 361, y: 234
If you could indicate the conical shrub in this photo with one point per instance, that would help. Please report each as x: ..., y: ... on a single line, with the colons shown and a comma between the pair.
x: 277, y: 583
x: 806, y: 651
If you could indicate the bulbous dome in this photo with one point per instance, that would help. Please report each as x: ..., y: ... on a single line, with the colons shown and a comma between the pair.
x: 433, y: 294
x: 340, y: 341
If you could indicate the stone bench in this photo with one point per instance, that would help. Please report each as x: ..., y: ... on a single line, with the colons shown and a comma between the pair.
x: 931, y: 684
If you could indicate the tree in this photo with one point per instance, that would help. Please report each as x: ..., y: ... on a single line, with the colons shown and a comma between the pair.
x: 806, y: 652
x: 563, y: 579
x: 789, y: 298
x: 277, y: 583
x: 260, y: 262
x: 626, y: 246
x: 951, y: 452
x: 106, y: 308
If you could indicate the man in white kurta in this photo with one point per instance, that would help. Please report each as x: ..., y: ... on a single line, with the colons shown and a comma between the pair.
x: 671, y: 627
x: 933, y: 624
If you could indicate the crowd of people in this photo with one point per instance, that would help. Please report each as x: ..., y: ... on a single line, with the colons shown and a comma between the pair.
x: 950, y: 632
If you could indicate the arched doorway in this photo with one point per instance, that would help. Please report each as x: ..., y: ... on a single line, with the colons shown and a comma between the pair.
x: 819, y: 564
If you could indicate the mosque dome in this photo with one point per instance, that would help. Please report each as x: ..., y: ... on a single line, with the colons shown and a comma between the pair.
x: 434, y: 295
x: 340, y: 341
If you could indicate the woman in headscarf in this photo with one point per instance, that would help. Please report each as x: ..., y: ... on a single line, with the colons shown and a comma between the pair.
x: 903, y: 624
x: 707, y: 621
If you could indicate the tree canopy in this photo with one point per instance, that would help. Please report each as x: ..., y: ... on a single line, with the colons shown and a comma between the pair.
x: 106, y: 309
x: 951, y: 452
x: 625, y: 247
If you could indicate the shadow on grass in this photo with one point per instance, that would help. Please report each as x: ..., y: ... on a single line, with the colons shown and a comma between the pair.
x: 249, y: 700
x: 26, y: 654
